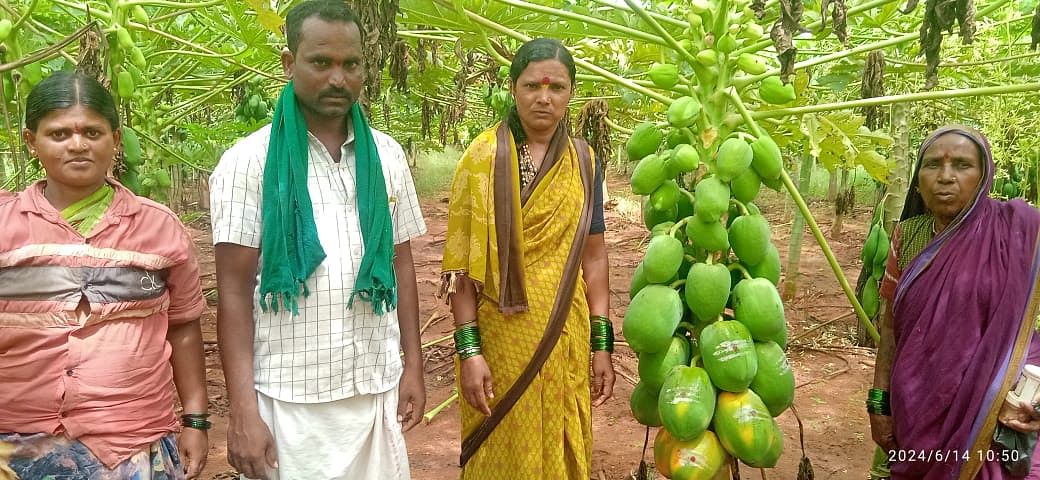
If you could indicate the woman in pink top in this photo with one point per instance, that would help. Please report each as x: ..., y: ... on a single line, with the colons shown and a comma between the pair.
x: 99, y: 309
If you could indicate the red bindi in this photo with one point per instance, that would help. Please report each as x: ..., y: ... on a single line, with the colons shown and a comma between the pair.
x: 546, y: 81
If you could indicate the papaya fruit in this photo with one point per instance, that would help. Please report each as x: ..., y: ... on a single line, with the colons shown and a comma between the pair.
x: 683, y: 111
x: 881, y: 255
x: 654, y: 367
x: 137, y: 58
x: 769, y: 267
x: 651, y: 318
x: 780, y: 338
x: 745, y: 187
x: 131, y: 148
x: 646, y: 139
x: 749, y: 238
x: 662, y: 259
x: 757, y: 305
x: 774, y: 91
x: 140, y: 16
x: 866, y: 254
x: 727, y: 43
x: 661, y: 229
x: 766, y: 160
x: 653, y: 217
x: 664, y: 442
x: 123, y: 38
x: 686, y: 158
x: 746, y: 429
x: 664, y: 75
x: 711, y: 236
x: 700, y: 459
x: 728, y: 353
x: 707, y: 290
x: 675, y: 138
x: 733, y: 158
x: 8, y: 86
x: 870, y: 297
x: 774, y: 381
x: 712, y: 199
x: 643, y: 404
x: 637, y: 282
x: 665, y: 196
x: 685, y: 205
x: 649, y: 174
x: 5, y: 28
x: 774, y: 184
x: 125, y: 84
x: 1010, y: 190
x: 707, y: 57
x: 686, y: 402
x: 751, y: 63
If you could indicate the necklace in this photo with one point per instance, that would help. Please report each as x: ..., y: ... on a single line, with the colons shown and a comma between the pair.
x: 527, y: 170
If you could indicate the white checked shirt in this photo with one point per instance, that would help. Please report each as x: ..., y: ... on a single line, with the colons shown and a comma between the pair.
x: 328, y: 352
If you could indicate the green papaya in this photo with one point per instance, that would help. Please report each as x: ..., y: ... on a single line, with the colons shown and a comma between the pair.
x: 747, y: 430
x: 711, y: 236
x: 749, y: 238
x: 643, y: 403
x: 769, y: 267
x: 775, y: 184
x: 774, y: 381
x: 649, y: 174
x: 726, y: 43
x: 646, y: 139
x: 728, y: 353
x: 653, y: 217
x: 5, y: 28
x: 712, y: 199
x: 686, y: 158
x: 1010, y: 190
x: 131, y: 148
x: 140, y: 16
x: 733, y: 158
x: 663, y: 257
x: 123, y: 38
x: 125, y: 84
x: 685, y: 204
x: 651, y: 318
x: 766, y: 160
x: 745, y: 187
x: 870, y: 298
x: 661, y: 229
x: 774, y: 91
x: 654, y: 367
x: 8, y: 82
x: 751, y: 63
x: 637, y: 282
x: 664, y: 75
x: 686, y: 402
x: 757, y: 305
x: 675, y: 138
x: 870, y: 245
x: 707, y: 57
x: 881, y: 255
x: 665, y: 196
x: 137, y: 58
x: 702, y: 458
x: 683, y: 111
x: 707, y: 290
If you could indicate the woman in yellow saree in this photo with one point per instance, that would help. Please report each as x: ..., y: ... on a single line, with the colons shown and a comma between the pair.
x: 525, y: 271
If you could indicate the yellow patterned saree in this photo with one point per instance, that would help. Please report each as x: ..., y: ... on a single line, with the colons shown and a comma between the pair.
x: 548, y: 433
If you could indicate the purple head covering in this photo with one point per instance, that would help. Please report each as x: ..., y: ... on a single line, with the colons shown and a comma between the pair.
x: 959, y: 311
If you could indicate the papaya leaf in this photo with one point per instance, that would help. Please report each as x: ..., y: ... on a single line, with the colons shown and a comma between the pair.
x: 266, y: 16
x: 875, y: 164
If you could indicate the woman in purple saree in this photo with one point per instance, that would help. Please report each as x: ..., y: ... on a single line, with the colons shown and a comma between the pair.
x: 959, y: 321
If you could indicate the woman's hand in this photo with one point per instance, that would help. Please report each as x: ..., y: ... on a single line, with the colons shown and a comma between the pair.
x: 602, y: 377
x: 1019, y: 417
x: 475, y: 383
x: 881, y: 430
x: 193, y: 445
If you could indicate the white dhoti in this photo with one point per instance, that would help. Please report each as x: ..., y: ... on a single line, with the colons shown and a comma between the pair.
x: 357, y: 438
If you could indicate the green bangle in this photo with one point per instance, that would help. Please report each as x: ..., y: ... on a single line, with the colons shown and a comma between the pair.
x: 878, y: 402
x: 601, y: 334
x: 467, y: 341
x: 198, y: 421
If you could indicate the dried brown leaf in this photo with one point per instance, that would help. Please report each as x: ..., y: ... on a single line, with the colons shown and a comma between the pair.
x: 1035, y: 33
x: 873, y: 85
x: 839, y: 15
x: 783, y: 32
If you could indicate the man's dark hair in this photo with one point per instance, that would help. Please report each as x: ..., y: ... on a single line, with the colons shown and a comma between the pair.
x: 65, y: 89
x: 327, y: 10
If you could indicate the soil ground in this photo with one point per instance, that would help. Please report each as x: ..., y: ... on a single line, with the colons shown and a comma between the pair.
x: 832, y: 376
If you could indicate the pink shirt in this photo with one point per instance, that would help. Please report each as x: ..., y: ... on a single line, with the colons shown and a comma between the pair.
x: 102, y: 375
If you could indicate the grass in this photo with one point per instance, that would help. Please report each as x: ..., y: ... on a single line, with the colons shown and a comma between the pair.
x: 863, y: 184
x: 433, y: 171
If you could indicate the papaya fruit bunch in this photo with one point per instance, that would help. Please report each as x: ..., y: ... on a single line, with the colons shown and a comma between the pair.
x: 1007, y: 185
x: 126, y: 59
x: 875, y: 255
x: 253, y: 106
x: 145, y: 179
x: 498, y: 98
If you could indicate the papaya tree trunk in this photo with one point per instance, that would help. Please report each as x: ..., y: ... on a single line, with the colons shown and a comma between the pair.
x: 892, y: 203
x: 842, y: 203
x: 794, y: 247
x: 832, y: 185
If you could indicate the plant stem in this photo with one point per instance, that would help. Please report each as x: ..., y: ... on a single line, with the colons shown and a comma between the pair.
x: 635, y: 34
x: 428, y: 416
x: 680, y: 224
x: 744, y: 113
x: 743, y: 271
x: 812, y: 26
x: 661, y: 18
x: 661, y: 31
x: 678, y: 283
x: 904, y: 98
x: 24, y: 17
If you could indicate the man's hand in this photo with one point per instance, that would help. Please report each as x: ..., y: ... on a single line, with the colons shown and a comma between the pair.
x: 602, y: 377
x: 251, y: 447
x: 412, y: 397
x: 193, y: 445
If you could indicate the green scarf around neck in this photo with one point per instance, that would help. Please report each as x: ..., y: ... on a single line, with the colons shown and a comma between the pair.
x: 290, y: 248
x: 85, y: 214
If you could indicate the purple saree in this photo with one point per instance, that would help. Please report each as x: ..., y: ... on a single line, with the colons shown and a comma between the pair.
x: 964, y: 319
